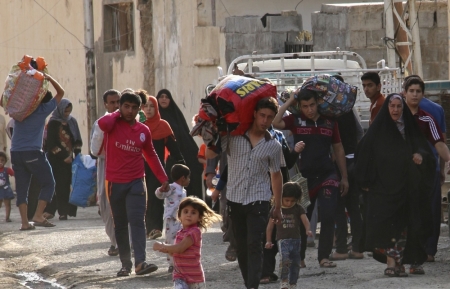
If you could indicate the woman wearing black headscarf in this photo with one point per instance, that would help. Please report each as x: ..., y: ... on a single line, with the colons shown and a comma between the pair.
x: 63, y: 141
x: 172, y: 114
x: 394, y: 166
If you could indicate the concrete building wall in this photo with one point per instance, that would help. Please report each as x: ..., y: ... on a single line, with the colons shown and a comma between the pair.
x: 50, y: 29
x: 245, y: 34
x: 121, y: 69
x: 230, y: 8
x: 360, y: 28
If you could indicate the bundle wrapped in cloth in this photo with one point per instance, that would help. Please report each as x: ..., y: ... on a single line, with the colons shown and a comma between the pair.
x: 25, y: 87
x: 335, y: 97
x: 228, y: 109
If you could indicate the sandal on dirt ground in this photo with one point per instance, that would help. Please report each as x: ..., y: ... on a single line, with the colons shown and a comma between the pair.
x: 124, y: 272
x: 327, y: 264
x: 146, y: 269
x: 416, y: 270
x: 113, y: 251
x: 30, y: 227
x: 395, y: 272
x: 45, y: 223
x: 264, y: 280
x: 230, y: 254
x: 271, y: 279
x: 154, y: 234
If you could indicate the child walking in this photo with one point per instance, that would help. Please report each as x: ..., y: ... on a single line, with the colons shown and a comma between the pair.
x: 181, y: 176
x: 288, y: 234
x: 194, y: 215
x: 6, y: 193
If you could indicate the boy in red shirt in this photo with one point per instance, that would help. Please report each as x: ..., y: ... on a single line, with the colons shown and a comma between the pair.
x: 126, y: 140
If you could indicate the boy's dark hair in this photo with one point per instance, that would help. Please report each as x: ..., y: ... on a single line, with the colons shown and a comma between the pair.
x: 267, y: 102
x: 411, y: 80
x: 292, y: 190
x: 48, y: 96
x: 108, y: 93
x: 143, y: 95
x: 130, y: 97
x: 178, y: 171
x: 306, y: 95
x: 372, y: 76
x: 2, y: 154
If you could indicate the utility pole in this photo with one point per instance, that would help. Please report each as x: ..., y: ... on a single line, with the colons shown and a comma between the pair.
x: 412, y: 51
x: 91, y: 97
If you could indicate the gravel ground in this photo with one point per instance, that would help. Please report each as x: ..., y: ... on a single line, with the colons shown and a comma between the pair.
x: 74, y: 255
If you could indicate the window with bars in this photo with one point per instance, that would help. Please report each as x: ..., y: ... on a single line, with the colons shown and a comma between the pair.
x: 118, y: 28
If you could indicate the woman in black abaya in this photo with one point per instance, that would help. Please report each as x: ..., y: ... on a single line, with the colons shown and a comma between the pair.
x: 394, y: 166
x: 172, y: 114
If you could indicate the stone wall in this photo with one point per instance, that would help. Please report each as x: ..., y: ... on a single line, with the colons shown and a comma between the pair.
x: 360, y: 28
x: 246, y: 34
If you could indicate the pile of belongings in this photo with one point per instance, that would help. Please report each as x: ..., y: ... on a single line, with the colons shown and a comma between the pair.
x: 228, y: 109
x: 335, y: 97
x: 25, y: 87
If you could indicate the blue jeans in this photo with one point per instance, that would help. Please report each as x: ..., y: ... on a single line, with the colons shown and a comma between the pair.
x: 290, y: 260
x: 128, y: 204
x: 32, y: 163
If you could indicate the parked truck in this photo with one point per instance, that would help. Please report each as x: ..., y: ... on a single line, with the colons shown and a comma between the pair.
x: 290, y: 70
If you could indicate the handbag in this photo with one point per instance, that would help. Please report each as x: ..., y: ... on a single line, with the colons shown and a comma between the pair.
x: 303, y: 182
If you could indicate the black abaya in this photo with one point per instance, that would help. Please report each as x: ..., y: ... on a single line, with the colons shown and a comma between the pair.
x: 398, y: 189
x: 188, y: 147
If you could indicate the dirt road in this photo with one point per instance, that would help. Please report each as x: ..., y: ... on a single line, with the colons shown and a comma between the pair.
x: 74, y: 255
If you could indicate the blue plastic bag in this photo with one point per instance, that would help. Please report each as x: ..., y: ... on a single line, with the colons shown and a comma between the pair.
x: 84, y: 182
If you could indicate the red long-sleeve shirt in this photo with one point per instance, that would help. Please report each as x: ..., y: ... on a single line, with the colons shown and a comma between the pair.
x: 125, y: 144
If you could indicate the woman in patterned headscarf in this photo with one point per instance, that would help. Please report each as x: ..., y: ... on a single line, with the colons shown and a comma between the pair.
x: 62, y: 143
x: 395, y: 168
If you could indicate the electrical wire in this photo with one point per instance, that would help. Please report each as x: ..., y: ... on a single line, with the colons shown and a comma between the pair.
x: 32, y: 25
x: 225, y: 8
x: 62, y: 25
x: 297, y: 5
x: 155, y: 17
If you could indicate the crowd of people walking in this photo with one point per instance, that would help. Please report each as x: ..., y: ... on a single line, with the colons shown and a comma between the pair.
x: 149, y: 181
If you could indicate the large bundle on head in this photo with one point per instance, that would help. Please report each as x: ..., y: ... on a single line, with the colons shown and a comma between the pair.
x: 335, y: 97
x: 229, y: 107
x: 25, y: 87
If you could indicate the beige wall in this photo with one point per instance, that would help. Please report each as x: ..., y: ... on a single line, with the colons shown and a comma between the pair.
x: 118, y: 70
x: 27, y: 29
x: 178, y: 44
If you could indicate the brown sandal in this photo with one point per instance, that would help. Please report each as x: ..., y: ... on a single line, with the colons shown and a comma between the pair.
x: 327, y: 264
